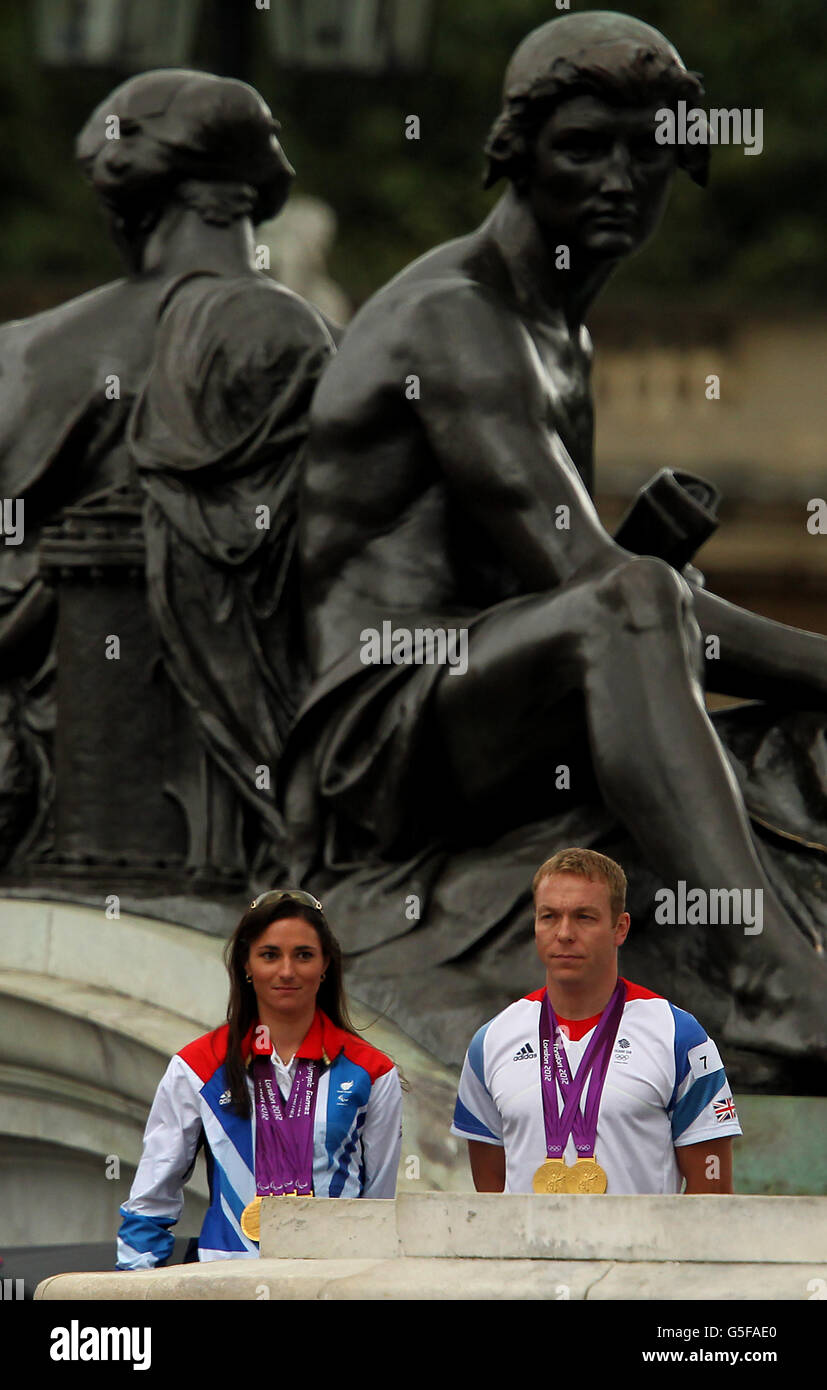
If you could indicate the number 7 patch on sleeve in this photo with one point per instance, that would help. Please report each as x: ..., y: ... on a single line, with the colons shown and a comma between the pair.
x: 704, y: 1059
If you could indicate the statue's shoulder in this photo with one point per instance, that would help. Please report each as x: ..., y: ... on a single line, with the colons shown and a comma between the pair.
x: 69, y: 318
x: 467, y: 270
x: 246, y: 308
x: 451, y: 293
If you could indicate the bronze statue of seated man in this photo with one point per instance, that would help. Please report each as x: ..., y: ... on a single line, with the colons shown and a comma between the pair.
x: 449, y: 486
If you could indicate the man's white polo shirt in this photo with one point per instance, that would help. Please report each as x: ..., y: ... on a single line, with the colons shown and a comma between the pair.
x: 665, y: 1086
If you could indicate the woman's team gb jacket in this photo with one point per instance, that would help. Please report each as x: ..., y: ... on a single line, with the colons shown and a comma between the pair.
x: 356, y: 1140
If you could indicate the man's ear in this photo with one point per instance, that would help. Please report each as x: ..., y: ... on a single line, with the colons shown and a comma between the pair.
x: 622, y: 926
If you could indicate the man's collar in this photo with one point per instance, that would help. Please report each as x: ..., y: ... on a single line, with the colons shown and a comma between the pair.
x: 322, y: 1042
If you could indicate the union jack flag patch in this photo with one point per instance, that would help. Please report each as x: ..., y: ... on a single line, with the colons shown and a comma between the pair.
x: 725, y: 1109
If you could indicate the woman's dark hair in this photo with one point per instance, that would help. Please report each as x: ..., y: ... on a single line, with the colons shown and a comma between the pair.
x: 242, y: 1009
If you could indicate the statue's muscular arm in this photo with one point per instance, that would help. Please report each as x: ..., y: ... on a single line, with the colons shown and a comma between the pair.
x: 489, y: 408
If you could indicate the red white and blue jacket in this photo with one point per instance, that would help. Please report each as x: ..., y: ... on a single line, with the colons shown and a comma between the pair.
x: 356, y: 1141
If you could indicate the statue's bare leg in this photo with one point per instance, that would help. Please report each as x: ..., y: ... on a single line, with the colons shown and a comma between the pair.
x: 629, y: 641
x: 761, y: 659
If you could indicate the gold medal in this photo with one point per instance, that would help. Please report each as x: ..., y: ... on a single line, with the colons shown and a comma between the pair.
x: 551, y: 1176
x: 251, y: 1219
x: 585, y: 1177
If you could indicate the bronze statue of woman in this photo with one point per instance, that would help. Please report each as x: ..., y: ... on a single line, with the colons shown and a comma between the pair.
x: 187, y: 382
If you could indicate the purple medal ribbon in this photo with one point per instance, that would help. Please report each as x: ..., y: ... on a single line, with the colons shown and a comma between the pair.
x: 284, y: 1135
x: 595, y: 1060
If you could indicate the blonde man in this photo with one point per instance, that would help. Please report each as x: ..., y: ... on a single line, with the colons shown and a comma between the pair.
x: 593, y: 1083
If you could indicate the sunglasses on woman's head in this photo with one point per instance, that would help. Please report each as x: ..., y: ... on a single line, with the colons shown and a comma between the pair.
x: 293, y: 895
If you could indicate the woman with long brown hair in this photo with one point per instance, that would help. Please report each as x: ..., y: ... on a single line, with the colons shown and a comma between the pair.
x: 286, y: 1097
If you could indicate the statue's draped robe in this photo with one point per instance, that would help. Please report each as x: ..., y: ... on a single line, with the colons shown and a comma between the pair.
x: 193, y: 388
x: 217, y: 437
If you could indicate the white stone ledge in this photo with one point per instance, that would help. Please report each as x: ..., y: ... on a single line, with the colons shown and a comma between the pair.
x: 484, y: 1226
x: 172, y: 968
x: 451, y: 1246
x: 440, y: 1279
x: 116, y: 1015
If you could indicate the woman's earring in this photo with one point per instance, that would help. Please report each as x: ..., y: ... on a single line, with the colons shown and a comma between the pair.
x: 321, y: 977
x: 249, y: 979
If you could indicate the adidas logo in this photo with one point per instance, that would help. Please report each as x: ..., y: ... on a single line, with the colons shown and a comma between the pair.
x: 524, y: 1053
x: 224, y: 1098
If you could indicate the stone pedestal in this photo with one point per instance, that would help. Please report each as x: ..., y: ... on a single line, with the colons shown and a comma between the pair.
x: 114, y: 703
x: 137, y: 799
x: 452, y: 1246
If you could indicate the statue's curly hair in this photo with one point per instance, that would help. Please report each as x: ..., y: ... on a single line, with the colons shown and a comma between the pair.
x: 645, y: 77
x: 210, y: 141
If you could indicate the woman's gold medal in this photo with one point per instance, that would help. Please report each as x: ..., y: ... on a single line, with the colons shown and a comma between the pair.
x: 251, y: 1219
